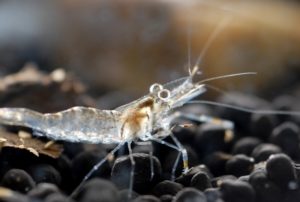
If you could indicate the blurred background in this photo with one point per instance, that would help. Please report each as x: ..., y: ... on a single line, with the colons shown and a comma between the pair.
x: 119, y: 48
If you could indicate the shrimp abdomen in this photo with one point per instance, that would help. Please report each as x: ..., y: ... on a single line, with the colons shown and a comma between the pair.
x: 77, y: 124
x: 83, y: 124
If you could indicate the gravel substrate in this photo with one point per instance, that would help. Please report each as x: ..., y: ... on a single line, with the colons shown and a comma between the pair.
x: 258, y: 164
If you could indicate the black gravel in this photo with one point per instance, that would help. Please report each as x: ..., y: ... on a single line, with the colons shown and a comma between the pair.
x: 263, y: 151
x: 146, y: 198
x: 280, y: 169
x: 201, y: 181
x: 99, y: 190
x: 190, y: 195
x: 18, y: 180
x: 213, y: 195
x: 286, y: 136
x: 246, y: 145
x: 167, y: 187
x: 45, y: 173
x: 42, y: 190
x: 237, y: 191
x: 239, y: 165
x: 265, y: 189
x: 143, y: 181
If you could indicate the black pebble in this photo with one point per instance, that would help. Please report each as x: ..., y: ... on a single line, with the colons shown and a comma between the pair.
x: 99, y: 196
x: 142, y: 149
x: 237, y: 191
x: 216, y: 162
x: 98, y: 184
x: 201, y: 181
x: 142, y: 176
x: 190, y: 195
x: 185, y: 179
x: 211, y: 138
x: 63, y: 166
x: 240, y: 118
x: 45, y: 173
x: 280, y: 169
x: 185, y: 135
x: 245, y: 145
x: 73, y: 149
x: 166, y: 198
x: 99, y: 190
x: 146, y: 198
x: 284, y: 103
x: 18, y: 180
x: 85, y: 161
x: 244, y: 178
x: 7, y: 195
x: 17, y: 158
x: 286, y: 136
x: 167, y: 187
x: 292, y: 196
x: 217, y: 181
x: 124, y: 195
x: 42, y: 190
x: 58, y: 197
x: 263, y: 151
x: 265, y: 189
x: 262, y: 125
x: 239, y: 165
x: 213, y: 195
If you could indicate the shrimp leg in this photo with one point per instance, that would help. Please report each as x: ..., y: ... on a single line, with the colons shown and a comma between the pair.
x: 228, y: 125
x: 95, y: 168
x: 148, y: 143
x: 132, y: 170
x: 181, y: 151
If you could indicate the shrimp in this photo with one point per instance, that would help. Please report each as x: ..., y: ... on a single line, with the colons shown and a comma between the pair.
x: 148, y: 118
x: 141, y: 119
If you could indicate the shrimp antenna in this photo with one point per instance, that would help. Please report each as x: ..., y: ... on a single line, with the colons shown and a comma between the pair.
x: 216, y: 89
x: 226, y: 76
x: 208, y: 43
x: 211, y: 38
x: 273, y: 112
x: 188, y: 40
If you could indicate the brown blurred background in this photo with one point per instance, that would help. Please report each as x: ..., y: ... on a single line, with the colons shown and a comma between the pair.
x: 127, y: 45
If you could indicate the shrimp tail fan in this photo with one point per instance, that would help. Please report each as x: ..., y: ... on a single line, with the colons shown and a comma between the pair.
x: 20, y: 117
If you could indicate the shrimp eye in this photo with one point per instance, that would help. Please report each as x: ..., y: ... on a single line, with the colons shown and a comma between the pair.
x: 155, y: 88
x: 164, y: 94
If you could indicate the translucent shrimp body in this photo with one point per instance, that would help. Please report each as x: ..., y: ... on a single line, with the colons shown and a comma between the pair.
x: 77, y: 124
x: 140, y: 119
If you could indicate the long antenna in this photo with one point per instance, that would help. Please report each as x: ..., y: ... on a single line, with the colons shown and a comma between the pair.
x: 211, y: 38
x: 255, y: 111
x: 188, y: 40
x: 227, y: 76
